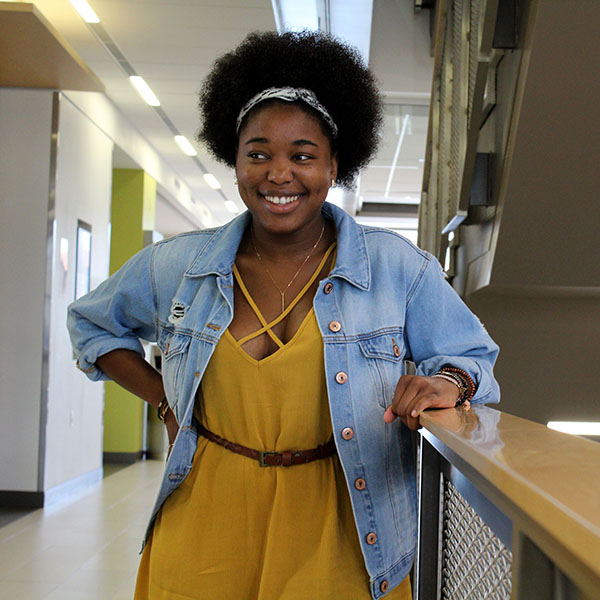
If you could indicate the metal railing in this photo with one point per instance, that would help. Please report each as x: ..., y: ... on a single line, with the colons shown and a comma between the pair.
x: 508, y: 509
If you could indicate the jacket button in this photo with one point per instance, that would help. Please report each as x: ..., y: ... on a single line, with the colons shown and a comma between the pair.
x: 396, y: 351
x: 360, y: 484
x: 341, y: 377
x: 347, y: 433
x: 371, y: 538
x: 384, y: 586
x: 328, y: 287
x: 335, y: 326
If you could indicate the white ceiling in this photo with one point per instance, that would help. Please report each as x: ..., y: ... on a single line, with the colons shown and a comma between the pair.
x: 172, y: 44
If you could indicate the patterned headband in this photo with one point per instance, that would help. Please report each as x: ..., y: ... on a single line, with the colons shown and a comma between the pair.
x: 288, y: 94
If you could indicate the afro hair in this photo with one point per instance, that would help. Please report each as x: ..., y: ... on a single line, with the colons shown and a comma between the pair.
x: 319, y: 62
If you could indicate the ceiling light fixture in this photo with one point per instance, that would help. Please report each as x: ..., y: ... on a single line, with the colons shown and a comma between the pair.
x: 576, y: 427
x: 231, y: 206
x: 212, y: 181
x: 185, y: 145
x: 85, y: 11
x: 144, y: 90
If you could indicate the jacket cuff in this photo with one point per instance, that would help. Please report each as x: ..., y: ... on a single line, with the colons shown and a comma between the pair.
x: 90, y: 353
x: 487, y: 387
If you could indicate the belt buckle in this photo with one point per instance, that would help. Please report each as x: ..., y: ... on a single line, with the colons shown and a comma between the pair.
x: 261, y: 458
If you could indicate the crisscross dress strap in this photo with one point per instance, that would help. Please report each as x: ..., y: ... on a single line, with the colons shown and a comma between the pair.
x: 267, y: 327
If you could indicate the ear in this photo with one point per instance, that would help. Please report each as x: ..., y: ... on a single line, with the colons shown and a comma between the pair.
x: 334, y: 166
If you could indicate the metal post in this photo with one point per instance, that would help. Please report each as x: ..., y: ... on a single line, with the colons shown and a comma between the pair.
x: 428, y: 548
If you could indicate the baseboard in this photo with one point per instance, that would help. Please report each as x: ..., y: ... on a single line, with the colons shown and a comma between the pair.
x: 74, y: 487
x: 9, y: 499
x: 127, y: 458
x: 62, y: 492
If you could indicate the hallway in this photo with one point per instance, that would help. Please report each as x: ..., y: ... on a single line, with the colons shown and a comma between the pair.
x: 84, y: 548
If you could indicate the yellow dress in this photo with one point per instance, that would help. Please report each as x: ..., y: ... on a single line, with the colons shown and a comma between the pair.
x: 234, y: 530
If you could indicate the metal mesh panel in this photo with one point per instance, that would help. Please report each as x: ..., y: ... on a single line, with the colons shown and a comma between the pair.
x: 445, y: 127
x: 457, y: 107
x: 474, y: 43
x: 475, y: 563
x: 460, y: 85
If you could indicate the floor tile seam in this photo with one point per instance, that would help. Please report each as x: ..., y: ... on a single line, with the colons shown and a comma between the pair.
x: 32, y: 558
x: 20, y: 565
x: 75, y: 587
x: 10, y: 536
x: 32, y: 583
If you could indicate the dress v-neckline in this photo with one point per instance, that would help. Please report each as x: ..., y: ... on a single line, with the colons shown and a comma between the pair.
x: 268, y: 327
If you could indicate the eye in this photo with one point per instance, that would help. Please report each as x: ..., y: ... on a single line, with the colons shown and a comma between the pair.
x: 303, y: 157
x: 255, y: 155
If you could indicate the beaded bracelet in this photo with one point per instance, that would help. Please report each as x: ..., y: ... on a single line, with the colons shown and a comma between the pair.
x: 461, y: 379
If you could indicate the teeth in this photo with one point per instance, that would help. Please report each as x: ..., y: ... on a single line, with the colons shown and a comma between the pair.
x: 281, y: 199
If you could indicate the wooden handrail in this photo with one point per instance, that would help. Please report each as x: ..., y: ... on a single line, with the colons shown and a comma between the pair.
x: 546, y: 481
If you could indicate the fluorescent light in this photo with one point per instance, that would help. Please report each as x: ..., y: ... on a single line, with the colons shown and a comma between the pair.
x: 85, y: 10
x: 576, y: 427
x: 144, y: 89
x: 396, y: 154
x: 185, y: 145
x: 212, y: 181
x: 231, y: 207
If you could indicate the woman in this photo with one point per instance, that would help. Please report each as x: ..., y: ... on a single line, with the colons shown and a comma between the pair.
x: 284, y: 335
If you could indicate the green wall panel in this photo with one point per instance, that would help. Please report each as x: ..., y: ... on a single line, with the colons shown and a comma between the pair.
x: 132, y: 212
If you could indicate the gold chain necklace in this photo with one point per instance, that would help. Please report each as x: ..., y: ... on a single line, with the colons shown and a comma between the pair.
x: 260, y: 260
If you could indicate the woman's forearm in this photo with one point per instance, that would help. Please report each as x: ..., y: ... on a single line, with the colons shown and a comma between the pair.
x: 132, y: 372
x: 136, y: 375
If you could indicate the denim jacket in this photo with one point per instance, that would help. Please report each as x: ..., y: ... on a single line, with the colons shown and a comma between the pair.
x: 393, y: 304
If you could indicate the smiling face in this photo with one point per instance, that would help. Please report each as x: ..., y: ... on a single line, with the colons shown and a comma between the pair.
x: 284, y: 167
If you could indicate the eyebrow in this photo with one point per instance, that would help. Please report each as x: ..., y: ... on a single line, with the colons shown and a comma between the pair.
x: 262, y: 140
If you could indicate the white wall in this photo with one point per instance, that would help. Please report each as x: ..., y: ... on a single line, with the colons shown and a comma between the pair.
x: 25, y: 131
x: 51, y: 425
x: 112, y: 122
x: 83, y: 191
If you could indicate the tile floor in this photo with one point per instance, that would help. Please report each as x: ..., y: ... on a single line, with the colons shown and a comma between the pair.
x: 84, y: 549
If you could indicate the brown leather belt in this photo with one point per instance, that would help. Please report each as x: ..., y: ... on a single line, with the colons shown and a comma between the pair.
x: 287, y: 458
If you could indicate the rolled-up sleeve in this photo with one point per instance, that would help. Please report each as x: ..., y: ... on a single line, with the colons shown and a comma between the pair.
x: 441, y: 330
x: 115, y: 315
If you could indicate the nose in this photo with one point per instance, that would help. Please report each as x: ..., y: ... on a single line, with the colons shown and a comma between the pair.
x: 280, y: 172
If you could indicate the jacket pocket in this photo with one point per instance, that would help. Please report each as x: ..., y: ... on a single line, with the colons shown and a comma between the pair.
x: 174, y: 349
x: 384, y: 353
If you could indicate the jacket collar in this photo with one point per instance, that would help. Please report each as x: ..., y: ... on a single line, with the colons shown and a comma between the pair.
x: 352, y: 262
x: 217, y: 255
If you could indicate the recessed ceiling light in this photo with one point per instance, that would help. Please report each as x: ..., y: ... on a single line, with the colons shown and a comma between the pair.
x: 231, y: 206
x: 212, y: 181
x: 85, y: 11
x: 185, y: 145
x: 144, y: 90
x: 576, y: 427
